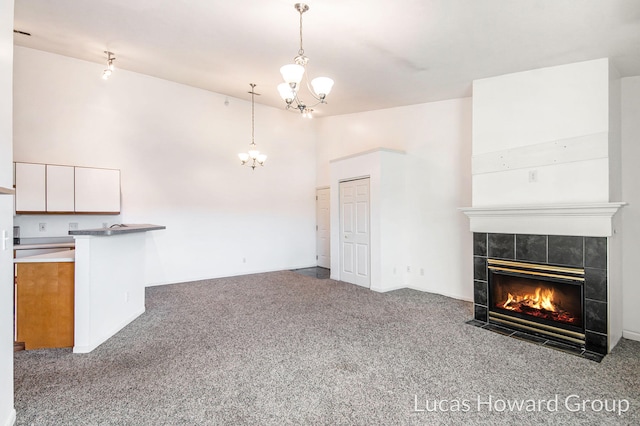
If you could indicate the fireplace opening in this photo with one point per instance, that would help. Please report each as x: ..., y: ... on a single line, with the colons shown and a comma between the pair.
x: 544, y: 299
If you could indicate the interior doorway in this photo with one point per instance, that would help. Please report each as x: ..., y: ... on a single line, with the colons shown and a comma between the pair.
x: 354, y: 232
x: 323, y: 227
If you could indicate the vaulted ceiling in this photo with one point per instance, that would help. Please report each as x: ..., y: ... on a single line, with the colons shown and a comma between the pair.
x: 380, y: 53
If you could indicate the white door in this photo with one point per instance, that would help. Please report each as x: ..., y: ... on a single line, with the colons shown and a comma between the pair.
x: 354, y: 232
x: 322, y: 228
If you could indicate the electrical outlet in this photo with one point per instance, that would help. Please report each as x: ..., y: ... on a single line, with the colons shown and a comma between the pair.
x: 408, y: 268
x: 394, y: 270
x: 244, y: 260
x: 533, y: 176
x: 422, y: 271
x: 73, y: 226
x: 42, y: 227
x: 105, y: 225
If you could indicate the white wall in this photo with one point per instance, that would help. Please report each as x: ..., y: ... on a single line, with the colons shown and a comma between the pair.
x: 631, y: 212
x: 7, y: 412
x: 437, y: 140
x: 176, y: 147
x: 553, y: 122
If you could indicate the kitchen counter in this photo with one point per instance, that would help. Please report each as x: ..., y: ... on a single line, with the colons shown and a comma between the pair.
x: 117, y: 229
x: 56, y: 256
x: 109, y: 281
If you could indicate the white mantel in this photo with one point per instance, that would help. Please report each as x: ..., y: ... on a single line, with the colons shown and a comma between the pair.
x: 592, y: 219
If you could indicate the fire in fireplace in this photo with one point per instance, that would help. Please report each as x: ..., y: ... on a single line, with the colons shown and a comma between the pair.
x: 544, y: 299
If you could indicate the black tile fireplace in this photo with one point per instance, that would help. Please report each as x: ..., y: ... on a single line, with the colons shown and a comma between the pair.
x: 548, y: 287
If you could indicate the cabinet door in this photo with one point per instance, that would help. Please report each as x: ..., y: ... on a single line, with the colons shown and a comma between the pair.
x: 30, y: 188
x: 97, y: 190
x: 60, y: 192
x: 45, y: 304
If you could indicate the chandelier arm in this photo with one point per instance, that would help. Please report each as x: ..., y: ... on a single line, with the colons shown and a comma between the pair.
x: 310, y: 88
x: 298, y: 103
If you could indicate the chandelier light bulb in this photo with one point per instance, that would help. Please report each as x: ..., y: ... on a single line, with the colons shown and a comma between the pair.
x: 286, y: 92
x: 322, y: 86
x: 244, y: 157
x: 261, y: 159
x: 292, y: 74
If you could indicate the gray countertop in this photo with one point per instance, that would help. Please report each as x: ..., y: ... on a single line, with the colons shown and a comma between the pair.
x: 118, y: 229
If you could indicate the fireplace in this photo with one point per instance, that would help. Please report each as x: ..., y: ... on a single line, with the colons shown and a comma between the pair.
x: 546, y: 300
x: 567, y: 274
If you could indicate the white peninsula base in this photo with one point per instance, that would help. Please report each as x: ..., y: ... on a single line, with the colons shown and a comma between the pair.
x: 109, y: 283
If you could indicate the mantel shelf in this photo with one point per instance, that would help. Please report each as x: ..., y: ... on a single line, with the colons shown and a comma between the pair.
x: 595, y: 209
x: 591, y: 219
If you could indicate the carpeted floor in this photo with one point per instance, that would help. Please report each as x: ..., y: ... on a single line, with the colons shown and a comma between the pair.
x: 283, y: 348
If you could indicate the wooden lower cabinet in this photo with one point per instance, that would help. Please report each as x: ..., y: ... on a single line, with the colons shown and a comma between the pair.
x: 45, y: 304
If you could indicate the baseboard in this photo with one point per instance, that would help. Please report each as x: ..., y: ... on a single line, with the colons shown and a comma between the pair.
x: 239, y: 274
x: 114, y: 330
x: 452, y: 296
x: 631, y: 335
x: 388, y: 289
x: 11, y: 420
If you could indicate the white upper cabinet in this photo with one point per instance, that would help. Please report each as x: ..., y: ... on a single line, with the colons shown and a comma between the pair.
x: 48, y: 188
x: 97, y: 190
x: 60, y: 189
x: 30, y: 188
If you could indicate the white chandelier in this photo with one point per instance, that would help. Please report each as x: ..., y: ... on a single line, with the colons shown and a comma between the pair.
x: 107, y: 72
x: 293, y: 74
x: 253, y: 157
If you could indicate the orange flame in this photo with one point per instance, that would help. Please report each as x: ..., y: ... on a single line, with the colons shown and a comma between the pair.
x: 542, y: 299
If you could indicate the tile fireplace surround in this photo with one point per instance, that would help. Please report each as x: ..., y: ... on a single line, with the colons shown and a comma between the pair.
x: 589, y: 253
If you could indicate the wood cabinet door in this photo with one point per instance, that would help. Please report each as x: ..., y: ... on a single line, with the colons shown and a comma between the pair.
x: 45, y: 305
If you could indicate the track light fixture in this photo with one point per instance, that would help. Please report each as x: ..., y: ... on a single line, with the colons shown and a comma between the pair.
x: 107, y: 72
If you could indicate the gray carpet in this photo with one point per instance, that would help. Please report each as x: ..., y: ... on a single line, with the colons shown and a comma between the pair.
x: 283, y: 348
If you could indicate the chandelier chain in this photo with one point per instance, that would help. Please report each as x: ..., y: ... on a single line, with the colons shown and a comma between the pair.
x: 301, y: 51
x: 252, y: 114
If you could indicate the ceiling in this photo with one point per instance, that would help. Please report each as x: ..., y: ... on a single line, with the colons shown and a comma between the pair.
x: 380, y: 53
